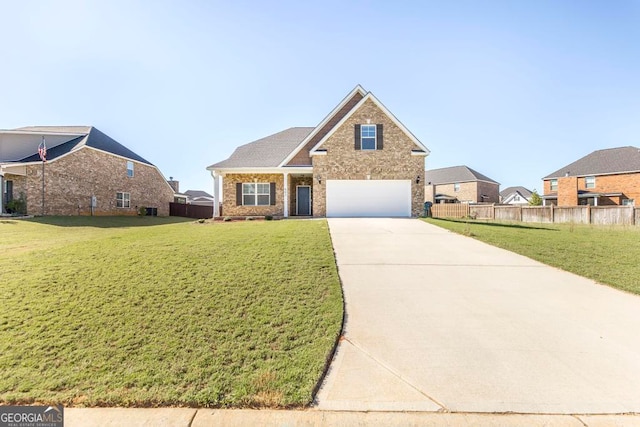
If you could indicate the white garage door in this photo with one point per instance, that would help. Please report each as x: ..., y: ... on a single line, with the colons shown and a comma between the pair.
x: 382, y: 198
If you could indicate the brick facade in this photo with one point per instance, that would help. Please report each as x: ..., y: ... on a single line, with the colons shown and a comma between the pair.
x: 469, y: 192
x: 343, y: 161
x: 628, y: 184
x: 71, y: 180
x: 230, y: 208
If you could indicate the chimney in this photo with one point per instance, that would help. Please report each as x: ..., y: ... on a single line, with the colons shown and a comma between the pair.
x: 174, y: 184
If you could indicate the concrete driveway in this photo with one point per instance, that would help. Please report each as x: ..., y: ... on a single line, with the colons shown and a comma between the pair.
x: 442, y: 322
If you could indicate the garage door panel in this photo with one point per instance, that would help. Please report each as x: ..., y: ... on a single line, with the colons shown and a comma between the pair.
x: 368, y: 198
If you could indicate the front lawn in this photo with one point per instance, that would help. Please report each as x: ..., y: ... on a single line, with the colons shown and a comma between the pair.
x: 606, y: 254
x: 162, y: 312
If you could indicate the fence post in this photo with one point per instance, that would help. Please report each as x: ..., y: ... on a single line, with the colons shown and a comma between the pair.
x: 588, y: 214
x: 553, y: 216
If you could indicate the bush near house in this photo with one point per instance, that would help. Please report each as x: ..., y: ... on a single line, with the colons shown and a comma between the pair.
x: 145, y: 311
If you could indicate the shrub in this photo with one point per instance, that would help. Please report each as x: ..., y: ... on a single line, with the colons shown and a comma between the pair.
x: 142, y: 210
x: 226, y: 218
x: 17, y: 206
x: 249, y: 218
x: 268, y: 217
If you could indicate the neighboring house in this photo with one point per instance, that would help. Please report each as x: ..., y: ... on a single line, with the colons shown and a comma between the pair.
x: 604, y: 177
x: 198, y: 197
x: 86, y: 172
x: 515, y: 196
x: 359, y: 161
x: 460, y: 184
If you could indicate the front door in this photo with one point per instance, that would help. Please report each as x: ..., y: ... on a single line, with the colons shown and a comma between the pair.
x: 303, y: 200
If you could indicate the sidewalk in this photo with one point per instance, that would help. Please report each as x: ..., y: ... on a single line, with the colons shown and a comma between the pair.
x: 185, y: 417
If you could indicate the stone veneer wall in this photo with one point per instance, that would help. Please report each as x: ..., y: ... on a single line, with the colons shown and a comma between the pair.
x: 343, y: 161
x: 229, y: 190
x: 70, y: 181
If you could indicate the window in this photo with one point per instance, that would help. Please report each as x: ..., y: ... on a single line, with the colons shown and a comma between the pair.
x: 553, y: 184
x: 368, y: 137
x: 129, y: 169
x: 123, y: 200
x: 256, y: 194
x: 590, y: 182
x: 456, y: 186
x: 516, y: 198
x: 628, y: 202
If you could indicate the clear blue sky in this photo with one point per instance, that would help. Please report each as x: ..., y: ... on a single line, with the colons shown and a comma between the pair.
x: 513, y: 89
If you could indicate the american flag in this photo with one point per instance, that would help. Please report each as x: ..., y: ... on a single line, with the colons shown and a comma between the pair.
x: 42, y: 150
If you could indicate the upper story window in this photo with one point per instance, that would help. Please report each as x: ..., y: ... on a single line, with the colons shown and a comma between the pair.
x: 368, y: 137
x: 553, y: 185
x: 628, y: 202
x: 456, y: 186
x: 129, y: 168
x: 590, y: 182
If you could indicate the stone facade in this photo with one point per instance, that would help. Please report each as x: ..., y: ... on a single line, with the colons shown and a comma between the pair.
x: 343, y: 161
x: 628, y: 184
x: 231, y: 208
x: 295, y: 181
x: 71, y: 181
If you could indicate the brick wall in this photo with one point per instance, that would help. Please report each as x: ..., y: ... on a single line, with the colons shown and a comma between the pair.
x: 468, y: 191
x: 229, y: 190
x: 627, y: 184
x: 293, y: 183
x: 70, y: 181
x: 342, y: 161
x: 490, y: 190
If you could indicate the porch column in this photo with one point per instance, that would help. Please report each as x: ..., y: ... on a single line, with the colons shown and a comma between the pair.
x: 1, y: 194
x: 216, y: 194
x: 286, y: 194
x: 595, y: 200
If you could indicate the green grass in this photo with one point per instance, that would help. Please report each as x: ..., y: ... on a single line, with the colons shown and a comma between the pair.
x: 163, y: 312
x: 606, y: 254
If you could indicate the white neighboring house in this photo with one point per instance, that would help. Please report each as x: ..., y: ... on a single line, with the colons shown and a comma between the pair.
x: 515, y: 196
x: 197, y: 197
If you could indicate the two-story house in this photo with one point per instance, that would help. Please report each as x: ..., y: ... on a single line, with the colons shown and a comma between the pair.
x: 360, y: 160
x: 604, y: 177
x: 460, y: 184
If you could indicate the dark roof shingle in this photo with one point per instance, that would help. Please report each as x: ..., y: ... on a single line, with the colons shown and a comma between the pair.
x: 509, y: 190
x: 267, y: 152
x: 602, y: 162
x: 454, y: 174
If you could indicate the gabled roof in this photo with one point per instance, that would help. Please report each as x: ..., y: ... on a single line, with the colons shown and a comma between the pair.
x: 197, y: 193
x: 90, y: 137
x: 369, y: 96
x: 602, y: 162
x: 521, y: 190
x: 266, y: 152
x: 291, y: 147
x: 454, y: 174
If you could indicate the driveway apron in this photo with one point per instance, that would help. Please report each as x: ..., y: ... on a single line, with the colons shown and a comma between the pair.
x: 436, y: 321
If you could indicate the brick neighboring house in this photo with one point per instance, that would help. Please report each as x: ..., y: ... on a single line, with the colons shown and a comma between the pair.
x: 604, y: 177
x: 515, y: 196
x: 84, y: 167
x: 359, y: 161
x: 460, y: 184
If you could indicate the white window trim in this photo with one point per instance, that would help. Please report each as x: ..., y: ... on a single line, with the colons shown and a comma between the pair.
x: 126, y: 197
x: 129, y: 162
x: 551, y: 185
x: 256, y: 194
x: 628, y: 202
x: 586, y: 182
x: 375, y: 137
x: 456, y: 186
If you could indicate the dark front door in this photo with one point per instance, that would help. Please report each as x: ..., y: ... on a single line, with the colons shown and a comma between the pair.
x: 303, y: 198
x: 8, y: 195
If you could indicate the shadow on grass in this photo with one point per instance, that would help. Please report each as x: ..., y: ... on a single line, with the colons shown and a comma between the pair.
x: 108, y: 221
x: 495, y: 224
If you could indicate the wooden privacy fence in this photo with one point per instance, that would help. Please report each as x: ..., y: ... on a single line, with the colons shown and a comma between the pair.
x: 597, y: 215
x: 190, y: 211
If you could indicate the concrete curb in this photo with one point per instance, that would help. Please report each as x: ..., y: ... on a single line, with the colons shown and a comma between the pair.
x: 191, y: 417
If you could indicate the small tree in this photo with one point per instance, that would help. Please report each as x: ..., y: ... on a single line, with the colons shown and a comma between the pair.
x: 535, y: 199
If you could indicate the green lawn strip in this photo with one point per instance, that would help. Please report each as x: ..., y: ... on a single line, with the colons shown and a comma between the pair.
x: 214, y: 315
x: 606, y: 254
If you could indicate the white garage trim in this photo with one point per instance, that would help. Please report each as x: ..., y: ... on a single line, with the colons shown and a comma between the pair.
x: 368, y: 198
